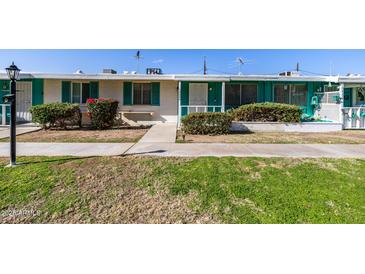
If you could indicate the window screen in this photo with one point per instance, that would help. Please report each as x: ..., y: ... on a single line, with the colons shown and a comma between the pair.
x: 281, y: 94
x: 298, y: 95
x: 146, y: 94
x: 232, y: 97
x: 248, y: 94
x: 76, y: 93
x: 142, y: 93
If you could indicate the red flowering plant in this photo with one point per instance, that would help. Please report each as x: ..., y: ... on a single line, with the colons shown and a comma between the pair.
x: 102, y: 112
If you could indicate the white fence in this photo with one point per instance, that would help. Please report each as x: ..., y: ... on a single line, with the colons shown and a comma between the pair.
x: 354, y: 117
x: 330, y: 97
x: 3, y: 113
x: 200, y: 108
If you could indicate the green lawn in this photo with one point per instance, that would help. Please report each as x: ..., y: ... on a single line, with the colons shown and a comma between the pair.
x: 170, y: 190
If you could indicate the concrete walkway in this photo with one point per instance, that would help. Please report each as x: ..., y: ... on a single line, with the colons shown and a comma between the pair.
x: 5, y: 131
x: 249, y: 150
x: 66, y: 149
x: 160, y: 133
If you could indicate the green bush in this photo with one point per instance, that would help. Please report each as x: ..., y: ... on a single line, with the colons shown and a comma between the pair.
x: 212, y: 123
x: 56, y: 115
x: 268, y: 112
x: 102, y: 112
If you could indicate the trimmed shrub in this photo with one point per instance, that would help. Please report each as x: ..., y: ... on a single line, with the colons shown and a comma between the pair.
x: 102, y: 112
x: 268, y: 112
x: 212, y: 123
x: 56, y: 115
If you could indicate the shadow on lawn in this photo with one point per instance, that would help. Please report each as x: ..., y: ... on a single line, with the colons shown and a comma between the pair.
x: 144, y: 152
x: 50, y: 160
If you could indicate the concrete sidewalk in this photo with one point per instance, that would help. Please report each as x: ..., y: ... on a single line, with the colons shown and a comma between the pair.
x: 160, y: 133
x: 5, y: 131
x: 186, y: 150
x: 66, y: 149
x: 249, y: 150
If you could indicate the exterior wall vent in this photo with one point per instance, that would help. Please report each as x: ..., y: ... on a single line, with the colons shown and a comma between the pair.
x: 153, y: 71
x: 109, y: 71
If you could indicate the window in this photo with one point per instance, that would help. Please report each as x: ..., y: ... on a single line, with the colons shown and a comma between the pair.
x: 281, y: 94
x: 291, y: 94
x: 328, y: 88
x: 248, y: 94
x: 360, y: 95
x: 142, y: 93
x: 80, y: 93
x: 233, y: 96
x: 240, y: 94
x: 299, y: 95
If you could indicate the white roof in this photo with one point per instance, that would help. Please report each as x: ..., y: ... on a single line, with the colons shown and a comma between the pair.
x: 188, y: 77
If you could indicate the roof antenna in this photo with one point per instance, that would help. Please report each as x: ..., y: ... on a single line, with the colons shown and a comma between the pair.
x: 138, y: 57
x: 205, y: 66
x: 297, y: 67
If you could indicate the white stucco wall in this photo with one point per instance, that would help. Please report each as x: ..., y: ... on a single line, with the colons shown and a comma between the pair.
x: 329, y: 112
x: 165, y: 112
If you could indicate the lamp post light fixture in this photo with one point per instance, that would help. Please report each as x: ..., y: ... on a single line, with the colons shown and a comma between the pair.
x: 13, y: 73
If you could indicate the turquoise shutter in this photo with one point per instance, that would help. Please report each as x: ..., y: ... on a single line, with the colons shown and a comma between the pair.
x: 94, y: 90
x: 155, y: 94
x: 66, y: 92
x: 37, y: 92
x: 184, y: 100
x: 127, y: 93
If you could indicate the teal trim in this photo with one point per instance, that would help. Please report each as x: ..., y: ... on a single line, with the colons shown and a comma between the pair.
x: 37, y: 92
x: 268, y: 92
x: 184, y: 97
x: 127, y: 93
x: 66, y: 92
x: 261, y: 92
x: 155, y: 96
x: 94, y: 90
x: 310, y: 92
x: 214, y: 96
x: 215, y: 93
x: 347, y: 94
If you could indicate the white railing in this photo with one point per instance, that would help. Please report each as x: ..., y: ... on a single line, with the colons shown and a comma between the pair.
x: 330, y: 97
x: 200, y: 108
x: 353, y: 117
x: 3, y: 113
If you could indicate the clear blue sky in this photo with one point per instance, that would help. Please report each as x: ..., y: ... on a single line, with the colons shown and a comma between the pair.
x: 187, y: 61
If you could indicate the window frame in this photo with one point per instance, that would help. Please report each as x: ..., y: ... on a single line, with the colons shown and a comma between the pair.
x: 81, y: 91
x: 290, y: 92
x: 150, y: 93
x: 241, y: 90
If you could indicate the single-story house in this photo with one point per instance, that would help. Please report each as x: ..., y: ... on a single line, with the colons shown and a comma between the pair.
x: 153, y: 98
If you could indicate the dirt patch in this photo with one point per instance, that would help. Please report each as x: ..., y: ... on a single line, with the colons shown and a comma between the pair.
x: 108, y: 190
x: 341, y: 137
x: 85, y: 135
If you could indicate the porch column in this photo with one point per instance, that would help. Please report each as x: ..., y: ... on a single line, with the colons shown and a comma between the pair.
x: 179, y: 104
x: 223, y: 96
x: 342, y: 97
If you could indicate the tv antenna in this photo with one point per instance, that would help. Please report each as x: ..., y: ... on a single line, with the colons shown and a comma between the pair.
x: 240, y: 62
x: 138, y: 58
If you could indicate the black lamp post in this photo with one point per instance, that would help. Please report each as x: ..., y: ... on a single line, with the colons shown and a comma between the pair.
x: 13, y: 73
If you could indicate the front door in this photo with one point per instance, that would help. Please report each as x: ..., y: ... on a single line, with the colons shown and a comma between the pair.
x: 23, y: 101
x: 347, y: 97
